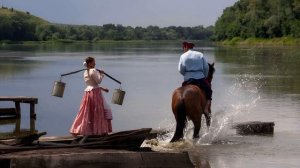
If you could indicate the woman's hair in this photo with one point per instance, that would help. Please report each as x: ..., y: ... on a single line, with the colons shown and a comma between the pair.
x: 89, y: 60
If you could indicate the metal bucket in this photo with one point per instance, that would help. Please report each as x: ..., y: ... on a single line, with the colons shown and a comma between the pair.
x: 58, y: 89
x: 118, y: 96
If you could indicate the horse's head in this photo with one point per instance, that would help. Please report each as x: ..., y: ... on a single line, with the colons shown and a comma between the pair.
x: 211, y: 72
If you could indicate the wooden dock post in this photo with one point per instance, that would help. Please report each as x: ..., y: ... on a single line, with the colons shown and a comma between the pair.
x: 18, y: 109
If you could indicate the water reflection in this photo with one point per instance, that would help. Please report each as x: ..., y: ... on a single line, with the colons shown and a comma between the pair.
x: 12, y: 65
x: 278, y: 66
x: 17, y: 131
x: 120, y: 47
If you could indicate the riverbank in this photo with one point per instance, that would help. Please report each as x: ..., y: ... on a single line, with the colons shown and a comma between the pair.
x: 68, y: 41
x: 283, y: 41
x: 237, y: 41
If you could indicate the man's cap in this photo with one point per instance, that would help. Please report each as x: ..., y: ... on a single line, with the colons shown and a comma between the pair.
x: 188, y: 44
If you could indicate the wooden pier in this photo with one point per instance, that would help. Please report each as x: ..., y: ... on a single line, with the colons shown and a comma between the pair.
x: 16, y: 111
x: 12, y: 115
x: 120, y: 149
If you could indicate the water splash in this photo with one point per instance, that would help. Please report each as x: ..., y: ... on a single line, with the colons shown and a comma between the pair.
x: 241, y: 97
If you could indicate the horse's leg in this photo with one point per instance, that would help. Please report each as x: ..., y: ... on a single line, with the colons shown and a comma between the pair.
x: 180, y: 120
x: 208, y: 117
x: 197, y: 122
x: 197, y: 126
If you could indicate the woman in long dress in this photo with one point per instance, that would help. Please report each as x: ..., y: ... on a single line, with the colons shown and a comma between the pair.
x: 94, y: 116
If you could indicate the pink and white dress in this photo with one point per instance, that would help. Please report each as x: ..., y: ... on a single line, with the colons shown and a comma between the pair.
x: 95, y: 115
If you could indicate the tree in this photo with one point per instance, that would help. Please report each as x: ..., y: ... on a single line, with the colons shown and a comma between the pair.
x: 259, y: 18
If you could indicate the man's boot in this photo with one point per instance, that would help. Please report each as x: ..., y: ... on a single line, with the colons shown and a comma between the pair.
x: 207, y: 113
x: 207, y: 107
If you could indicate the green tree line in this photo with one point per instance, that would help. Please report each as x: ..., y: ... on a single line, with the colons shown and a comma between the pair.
x: 21, y: 26
x: 259, y: 19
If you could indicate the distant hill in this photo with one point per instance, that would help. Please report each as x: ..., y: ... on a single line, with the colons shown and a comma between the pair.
x: 16, y: 25
x: 259, y: 19
x: 26, y: 16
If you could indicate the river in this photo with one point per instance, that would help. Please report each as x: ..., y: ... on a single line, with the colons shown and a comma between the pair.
x: 250, y: 84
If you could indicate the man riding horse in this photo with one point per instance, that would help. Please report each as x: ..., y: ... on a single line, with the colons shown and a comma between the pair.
x: 194, y: 67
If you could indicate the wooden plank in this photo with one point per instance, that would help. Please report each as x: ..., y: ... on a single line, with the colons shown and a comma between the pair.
x: 8, y: 120
x: 15, y: 134
x: 32, y: 111
x: 121, y: 140
x: 21, y: 99
x: 133, y: 138
x: 23, y: 140
x: 7, y: 111
x: 58, y: 139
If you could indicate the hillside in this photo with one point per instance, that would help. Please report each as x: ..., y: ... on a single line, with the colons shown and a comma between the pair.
x: 16, y: 25
x: 11, y: 13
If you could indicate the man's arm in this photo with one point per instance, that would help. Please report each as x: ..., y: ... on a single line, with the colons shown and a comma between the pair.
x: 181, y: 67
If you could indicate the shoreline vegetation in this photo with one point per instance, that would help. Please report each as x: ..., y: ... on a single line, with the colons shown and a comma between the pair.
x: 66, y: 41
x: 237, y: 41
x: 282, y: 41
x: 263, y: 22
x: 246, y: 23
x: 18, y: 26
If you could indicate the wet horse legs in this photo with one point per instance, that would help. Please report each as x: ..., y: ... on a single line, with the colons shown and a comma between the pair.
x: 197, y: 125
x: 208, y: 118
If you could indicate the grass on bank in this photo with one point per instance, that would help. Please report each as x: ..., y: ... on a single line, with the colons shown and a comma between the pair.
x: 283, y: 41
x: 26, y: 16
x: 236, y: 41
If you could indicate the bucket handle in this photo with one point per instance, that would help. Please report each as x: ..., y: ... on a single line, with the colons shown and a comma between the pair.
x: 110, y: 76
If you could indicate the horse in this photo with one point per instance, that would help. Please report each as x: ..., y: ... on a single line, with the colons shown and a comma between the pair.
x: 189, y: 102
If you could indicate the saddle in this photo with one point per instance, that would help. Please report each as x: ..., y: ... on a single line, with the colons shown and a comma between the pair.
x: 202, y: 84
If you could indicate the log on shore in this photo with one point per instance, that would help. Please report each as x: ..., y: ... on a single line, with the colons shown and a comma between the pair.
x: 254, y: 128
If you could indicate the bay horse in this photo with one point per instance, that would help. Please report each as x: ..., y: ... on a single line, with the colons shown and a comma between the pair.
x: 189, y: 102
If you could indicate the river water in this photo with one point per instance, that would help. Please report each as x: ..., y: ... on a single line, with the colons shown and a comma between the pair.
x: 250, y: 84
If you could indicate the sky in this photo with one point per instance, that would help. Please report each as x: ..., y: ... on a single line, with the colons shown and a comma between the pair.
x: 133, y: 13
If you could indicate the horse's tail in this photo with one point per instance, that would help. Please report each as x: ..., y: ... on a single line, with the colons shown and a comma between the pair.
x: 180, y: 121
